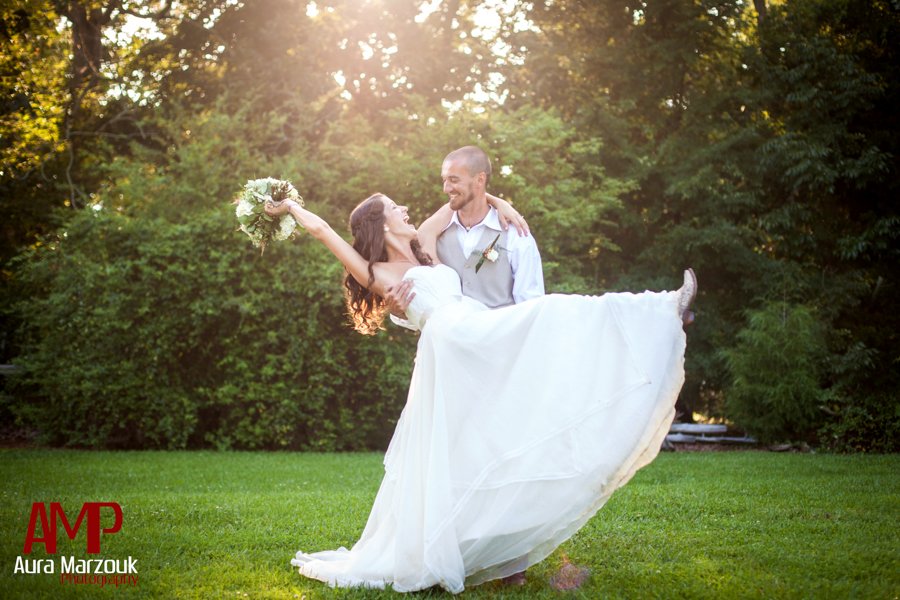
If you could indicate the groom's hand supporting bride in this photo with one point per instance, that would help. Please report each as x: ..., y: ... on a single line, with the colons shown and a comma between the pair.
x: 398, y: 298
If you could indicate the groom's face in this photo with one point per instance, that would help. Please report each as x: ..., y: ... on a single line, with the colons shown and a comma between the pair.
x: 459, y: 184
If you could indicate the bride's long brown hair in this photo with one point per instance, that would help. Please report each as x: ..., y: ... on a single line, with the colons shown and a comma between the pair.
x: 366, y: 308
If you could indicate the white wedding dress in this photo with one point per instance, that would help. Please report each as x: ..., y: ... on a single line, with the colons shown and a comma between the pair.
x: 519, y: 424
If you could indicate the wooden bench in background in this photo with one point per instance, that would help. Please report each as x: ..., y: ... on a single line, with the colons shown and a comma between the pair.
x: 690, y: 433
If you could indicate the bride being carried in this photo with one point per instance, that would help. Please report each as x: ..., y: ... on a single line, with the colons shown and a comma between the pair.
x: 521, y: 420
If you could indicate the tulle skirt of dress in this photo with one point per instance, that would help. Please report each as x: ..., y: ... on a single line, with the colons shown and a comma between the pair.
x: 519, y: 425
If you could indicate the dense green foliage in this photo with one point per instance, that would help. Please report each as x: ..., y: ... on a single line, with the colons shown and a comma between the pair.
x: 154, y: 335
x: 777, y: 368
x: 691, y: 525
x: 758, y: 144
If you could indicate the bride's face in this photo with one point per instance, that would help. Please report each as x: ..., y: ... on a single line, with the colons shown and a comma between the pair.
x: 397, y: 220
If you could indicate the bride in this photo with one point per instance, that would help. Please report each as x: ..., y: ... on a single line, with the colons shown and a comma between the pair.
x: 520, y: 422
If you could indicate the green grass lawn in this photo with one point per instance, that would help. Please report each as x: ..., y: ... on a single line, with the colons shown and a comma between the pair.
x: 691, y: 525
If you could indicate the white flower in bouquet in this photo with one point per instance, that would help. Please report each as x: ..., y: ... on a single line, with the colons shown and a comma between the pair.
x: 251, y: 214
x: 244, y: 209
x: 286, y: 228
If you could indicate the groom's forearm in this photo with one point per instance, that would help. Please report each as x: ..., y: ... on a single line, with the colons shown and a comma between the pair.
x: 528, y: 273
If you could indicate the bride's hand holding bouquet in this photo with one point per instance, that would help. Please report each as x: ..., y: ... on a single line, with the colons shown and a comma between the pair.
x: 256, y: 222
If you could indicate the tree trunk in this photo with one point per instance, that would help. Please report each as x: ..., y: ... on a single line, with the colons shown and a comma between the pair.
x: 87, y: 42
x: 88, y: 20
x: 760, y: 11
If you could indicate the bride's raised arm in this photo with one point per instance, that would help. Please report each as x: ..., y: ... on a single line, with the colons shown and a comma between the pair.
x: 431, y: 228
x: 508, y: 215
x: 317, y: 227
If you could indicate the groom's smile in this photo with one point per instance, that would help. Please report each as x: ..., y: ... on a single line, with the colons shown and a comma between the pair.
x: 458, y: 184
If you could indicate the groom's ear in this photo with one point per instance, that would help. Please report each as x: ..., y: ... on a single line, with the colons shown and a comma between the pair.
x: 481, y: 178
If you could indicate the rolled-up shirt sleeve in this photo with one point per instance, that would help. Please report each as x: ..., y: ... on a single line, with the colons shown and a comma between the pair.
x: 525, y: 261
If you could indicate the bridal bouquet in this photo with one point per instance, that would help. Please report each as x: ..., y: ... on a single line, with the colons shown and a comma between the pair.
x: 251, y: 212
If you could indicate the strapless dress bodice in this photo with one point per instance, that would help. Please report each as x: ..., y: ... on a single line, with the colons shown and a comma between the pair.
x: 435, y: 287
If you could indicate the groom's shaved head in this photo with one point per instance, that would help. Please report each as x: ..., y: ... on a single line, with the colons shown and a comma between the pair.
x: 475, y: 160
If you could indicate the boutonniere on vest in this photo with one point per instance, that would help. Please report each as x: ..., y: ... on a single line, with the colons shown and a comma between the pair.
x: 490, y: 253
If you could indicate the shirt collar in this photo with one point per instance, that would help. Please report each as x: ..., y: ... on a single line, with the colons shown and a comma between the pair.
x: 491, y: 220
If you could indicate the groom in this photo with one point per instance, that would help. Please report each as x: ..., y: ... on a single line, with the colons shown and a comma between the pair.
x: 514, y: 275
x: 510, y: 275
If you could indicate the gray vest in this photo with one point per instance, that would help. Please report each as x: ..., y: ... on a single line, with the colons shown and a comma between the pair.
x: 492, y: 285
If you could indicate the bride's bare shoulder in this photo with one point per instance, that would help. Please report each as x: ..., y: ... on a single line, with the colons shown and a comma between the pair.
x: 388, y: 274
